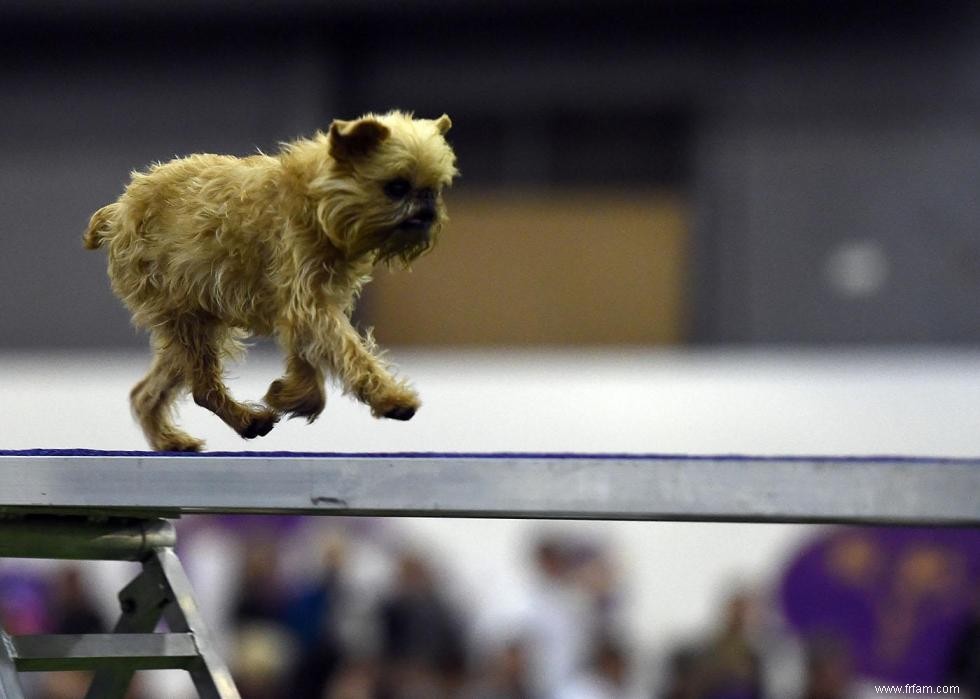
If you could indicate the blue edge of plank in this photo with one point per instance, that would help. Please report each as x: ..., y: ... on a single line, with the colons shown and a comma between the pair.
x: 495, y: 455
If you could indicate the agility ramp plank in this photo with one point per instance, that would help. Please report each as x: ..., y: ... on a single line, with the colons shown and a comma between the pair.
x: 884, y: 489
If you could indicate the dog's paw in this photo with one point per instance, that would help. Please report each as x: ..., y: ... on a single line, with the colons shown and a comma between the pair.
x: 402, y: 412
x: 259, y: 424
x: 307, y: 405
x: 401, y: 404
x: 178, y: 443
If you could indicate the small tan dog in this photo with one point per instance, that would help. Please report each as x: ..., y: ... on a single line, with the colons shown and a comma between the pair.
x: 208, y: 249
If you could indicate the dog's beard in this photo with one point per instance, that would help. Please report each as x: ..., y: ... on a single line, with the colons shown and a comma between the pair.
x: 386, y: 235
x: 394, y: 244
x: 404, y: 245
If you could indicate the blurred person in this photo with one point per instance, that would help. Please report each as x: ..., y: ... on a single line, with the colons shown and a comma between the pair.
x: 260, y: 594
x: 64, y: 685
x: 606, y: 678
x: 418, y: 680
x: 261, y: 659
x: 964, y: 665
x: 505, y: 675
x: 829, y: 671
x: 594, y: 573
x: 70, y: 605
x: 422, y: 642
x: 682, y: 675
x: 355, y: 680
x: 71, y: 685
x: 25, y: 603
x: 70, y: 611
x: 312, y: 615
x: 263, y: 648
x: 729, y: 667
x: 560, y: 622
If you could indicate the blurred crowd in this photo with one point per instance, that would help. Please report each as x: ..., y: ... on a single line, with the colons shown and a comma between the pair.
x: 328, y: 639
x: 329, y: 636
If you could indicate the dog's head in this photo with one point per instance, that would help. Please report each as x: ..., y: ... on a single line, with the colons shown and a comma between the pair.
x: 382, y: 192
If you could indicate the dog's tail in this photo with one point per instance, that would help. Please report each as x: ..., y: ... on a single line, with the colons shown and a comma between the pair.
x: 99, y: 226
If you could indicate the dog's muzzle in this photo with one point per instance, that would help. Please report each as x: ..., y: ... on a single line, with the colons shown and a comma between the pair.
x: 420, y: 221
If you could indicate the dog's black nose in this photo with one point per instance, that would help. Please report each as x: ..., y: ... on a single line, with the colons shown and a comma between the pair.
x: 423, y: 218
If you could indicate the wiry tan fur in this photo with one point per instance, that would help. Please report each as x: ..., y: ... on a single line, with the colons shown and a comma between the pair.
x: 208, y: 249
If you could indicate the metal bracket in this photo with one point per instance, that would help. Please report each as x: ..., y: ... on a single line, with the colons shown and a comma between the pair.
x: 160, y: 591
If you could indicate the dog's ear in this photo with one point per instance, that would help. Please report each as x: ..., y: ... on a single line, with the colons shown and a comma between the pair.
x: 444, y: 123
x: 350, y: 140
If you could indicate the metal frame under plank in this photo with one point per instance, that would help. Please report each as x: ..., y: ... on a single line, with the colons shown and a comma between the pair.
x: 161, y: 590
x: 570, y: 486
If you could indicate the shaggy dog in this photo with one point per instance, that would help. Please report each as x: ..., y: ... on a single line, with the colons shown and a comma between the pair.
x: 208, y: 249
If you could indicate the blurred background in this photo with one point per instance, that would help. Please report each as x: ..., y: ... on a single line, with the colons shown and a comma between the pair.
x: 682, y: 226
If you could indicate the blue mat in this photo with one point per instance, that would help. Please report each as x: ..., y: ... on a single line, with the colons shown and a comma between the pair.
x: 493, y: 455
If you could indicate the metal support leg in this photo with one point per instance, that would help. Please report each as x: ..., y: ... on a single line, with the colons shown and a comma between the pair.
x: 142, y: 602
x: 161, y: 590
x: 210, y: 675
x: 9, y: 682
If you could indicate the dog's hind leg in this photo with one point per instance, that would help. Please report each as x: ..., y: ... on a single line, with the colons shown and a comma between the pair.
x: 300, y: 391
x: 152, y: 402
x: 202, y: 345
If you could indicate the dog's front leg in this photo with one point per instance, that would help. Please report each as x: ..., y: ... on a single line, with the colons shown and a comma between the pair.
x: 363, y: 373
x: 300, y: 391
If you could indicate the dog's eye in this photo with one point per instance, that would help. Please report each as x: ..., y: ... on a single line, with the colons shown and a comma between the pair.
x: 398, y: 189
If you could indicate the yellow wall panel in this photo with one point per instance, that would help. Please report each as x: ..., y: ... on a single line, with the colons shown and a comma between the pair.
x: 564, y: 267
